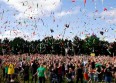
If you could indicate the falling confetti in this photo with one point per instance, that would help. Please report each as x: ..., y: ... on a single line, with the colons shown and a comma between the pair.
x: 67, y: 25
x: 51, y: 30
x: 73, y: 0
x: 105, y: 9
x: 84, y: 2
x: 101, y: 32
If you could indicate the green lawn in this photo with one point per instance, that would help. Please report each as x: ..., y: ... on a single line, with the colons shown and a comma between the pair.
x: 19, y: 78
x: 21, y: 81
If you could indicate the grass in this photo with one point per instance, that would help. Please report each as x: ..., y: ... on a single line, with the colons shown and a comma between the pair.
x: 21, y: 80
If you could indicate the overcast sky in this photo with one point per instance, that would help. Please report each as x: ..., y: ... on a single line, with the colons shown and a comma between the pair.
x: 33, y: 19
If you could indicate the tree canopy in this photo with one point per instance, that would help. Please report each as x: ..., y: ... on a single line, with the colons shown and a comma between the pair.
x: 50, y: 45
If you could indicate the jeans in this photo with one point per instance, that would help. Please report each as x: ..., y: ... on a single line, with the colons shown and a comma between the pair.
x: 54, y: 80
x: 108, y: 79
x: 41, y: 80
x: 95, y: 79
x: 34, y: 79
x: 81, y: 78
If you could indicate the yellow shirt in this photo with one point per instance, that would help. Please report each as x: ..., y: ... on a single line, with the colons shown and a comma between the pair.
x: 11, y: 69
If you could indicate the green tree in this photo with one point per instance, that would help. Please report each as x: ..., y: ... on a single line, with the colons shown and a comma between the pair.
x: 17, y: 45
x: 91, y: 44
x: 77, y: 45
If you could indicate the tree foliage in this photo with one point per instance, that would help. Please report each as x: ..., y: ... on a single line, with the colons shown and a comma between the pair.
x: 50, y: 45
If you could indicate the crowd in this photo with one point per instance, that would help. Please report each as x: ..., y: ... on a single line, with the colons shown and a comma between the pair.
x: 79, y: 69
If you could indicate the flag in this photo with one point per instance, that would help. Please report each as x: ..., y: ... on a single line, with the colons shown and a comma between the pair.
x: 92, y: 54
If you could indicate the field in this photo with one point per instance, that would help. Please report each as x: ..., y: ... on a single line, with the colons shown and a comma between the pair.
x: 21, y: 80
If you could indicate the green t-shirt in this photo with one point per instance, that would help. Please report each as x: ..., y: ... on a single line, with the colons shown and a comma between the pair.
x: 6, y: 70
x: 41, y: 71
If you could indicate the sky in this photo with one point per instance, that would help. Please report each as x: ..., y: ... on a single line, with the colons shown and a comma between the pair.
x: 34, y: 19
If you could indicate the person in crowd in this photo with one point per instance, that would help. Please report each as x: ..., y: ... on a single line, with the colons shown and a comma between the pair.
x: 10, y: 70
x: 79, y: 73
x: 96, y: 75
x: 91, y: 73
x: 6, y: 71
x: 99, y: 71
x: 93, y: 64
x: 86, y: 77
x: 26, y: 72
x: 54, y: 74
x: 59, y: 68
x: 70, y: 76
x: 108, y: 74
x: 34, y: 69
x: 41, y: 73
x: 60, y: 72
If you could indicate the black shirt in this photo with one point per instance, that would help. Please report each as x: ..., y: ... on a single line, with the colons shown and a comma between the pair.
x: 34, y: 67
x: 69, y: 75
x: 93, y: 65
x: 79, y: 72
x: 54, y: 73
x: 108, y: 72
